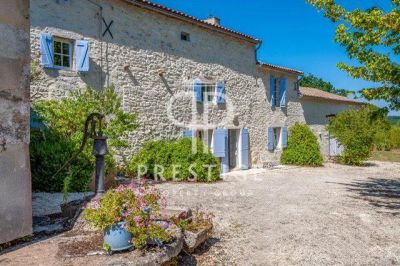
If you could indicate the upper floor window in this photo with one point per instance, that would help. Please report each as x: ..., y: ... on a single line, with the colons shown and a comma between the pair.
x: 208, y: 92
x: 62, y: 53
x: 278, y: 91
x: 185, y: 36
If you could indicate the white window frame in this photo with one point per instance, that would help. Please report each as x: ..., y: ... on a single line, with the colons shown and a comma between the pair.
x: 210, y: 89
x: 277, y: 132
x: 70, y: 53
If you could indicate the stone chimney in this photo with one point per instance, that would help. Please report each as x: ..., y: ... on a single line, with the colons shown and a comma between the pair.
x: 213, y: 20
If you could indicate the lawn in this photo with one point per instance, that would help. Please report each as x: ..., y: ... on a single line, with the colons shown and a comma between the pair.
x: 389, y: 156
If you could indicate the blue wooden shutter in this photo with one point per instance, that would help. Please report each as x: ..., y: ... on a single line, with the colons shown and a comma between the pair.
x: 282, y: 90
x: 188, y: 133
x: 82, y: 56
x: 272, y: 86
x: 220, y: 92
x: 244, y: 151
x: 46, y: 50
x: 197, y: 84
x: 284, y: 137
x: 270, y: 141
x: 219, y: 145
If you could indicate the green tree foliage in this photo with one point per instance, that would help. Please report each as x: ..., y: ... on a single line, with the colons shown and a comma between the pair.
x: 357, y: 131
x: 394, y: 137
x: 314, y: 82
x: 372, y: 38
x: 303, y: 148
x: 178, y: 153
x: 61, y: 135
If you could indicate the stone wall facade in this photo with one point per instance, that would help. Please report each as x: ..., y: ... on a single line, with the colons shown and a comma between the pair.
x: 153, y: 69
x: 15, y: 179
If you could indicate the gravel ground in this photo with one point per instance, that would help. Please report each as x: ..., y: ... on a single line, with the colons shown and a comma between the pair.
x: 335, y: 215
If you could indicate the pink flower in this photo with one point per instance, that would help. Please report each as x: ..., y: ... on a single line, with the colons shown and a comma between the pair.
x: 127, y: 213
x: 120, y: 188
x: 138, y: 219
x: 164, y: 225
x: 94, y: 205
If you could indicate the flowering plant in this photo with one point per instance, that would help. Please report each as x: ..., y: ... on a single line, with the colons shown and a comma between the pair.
x: 135, y: 206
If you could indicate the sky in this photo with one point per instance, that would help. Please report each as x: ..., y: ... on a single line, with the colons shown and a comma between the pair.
x: 294, y: 33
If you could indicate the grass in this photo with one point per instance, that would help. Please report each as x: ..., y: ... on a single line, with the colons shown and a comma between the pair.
x: 388, y: 156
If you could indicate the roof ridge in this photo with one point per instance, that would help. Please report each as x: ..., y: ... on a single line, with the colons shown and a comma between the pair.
x: 173, y: 12
x: 318, y: 93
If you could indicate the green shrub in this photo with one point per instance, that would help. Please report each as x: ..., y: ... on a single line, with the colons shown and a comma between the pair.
x: 178, y: 153
x: 394, y: 137
x: 356, y: 130
x: 62, y: 132
x: 303, y: 148
x: 48, y: 152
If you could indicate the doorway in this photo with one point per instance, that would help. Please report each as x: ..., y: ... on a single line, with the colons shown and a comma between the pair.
x: 233, y: 144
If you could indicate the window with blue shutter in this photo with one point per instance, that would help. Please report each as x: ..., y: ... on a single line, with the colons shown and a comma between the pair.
x: 282, y: 89
x: 220, y: 88
x: 272, y: 85
x: 284, y: 137
x: 197, y: 86
x: 270, y: 140
x: 46, y: 50
x: 188, y: 133
x: 219, y: 142
x: 82, y: 55
x: 244, y: 149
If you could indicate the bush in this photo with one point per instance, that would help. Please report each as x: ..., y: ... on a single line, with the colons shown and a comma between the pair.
x: 303, y: 148
x: 178, y: 153
x: 356, y: 130
x: 48, y: 153
x: 61, y: 134
x: 394, y: 137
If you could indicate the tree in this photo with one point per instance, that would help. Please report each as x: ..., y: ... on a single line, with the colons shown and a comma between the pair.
x: 314, y: 82
x: 372, y: 38
x: 356, y: 130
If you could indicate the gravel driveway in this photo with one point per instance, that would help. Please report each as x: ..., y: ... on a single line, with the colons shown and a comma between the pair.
x: 336, y: 215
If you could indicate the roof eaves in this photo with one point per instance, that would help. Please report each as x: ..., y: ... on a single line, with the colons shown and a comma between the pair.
x: 185, y: 17
x: 275, y: 67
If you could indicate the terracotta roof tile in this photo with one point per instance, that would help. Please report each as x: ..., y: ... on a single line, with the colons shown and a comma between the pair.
x: 316, y: 93
x: 280, y: 68
x: 183, y: 16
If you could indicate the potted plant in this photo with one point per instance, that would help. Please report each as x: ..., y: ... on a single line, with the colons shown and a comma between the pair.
x: 124, y: 215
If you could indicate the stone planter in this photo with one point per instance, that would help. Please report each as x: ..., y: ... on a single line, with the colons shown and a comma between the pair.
x: 117, y: 237
x: 193, y: 240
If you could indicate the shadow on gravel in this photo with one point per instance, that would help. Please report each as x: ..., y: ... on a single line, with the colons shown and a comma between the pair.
x: 186, y: 259
x: 379, y: 192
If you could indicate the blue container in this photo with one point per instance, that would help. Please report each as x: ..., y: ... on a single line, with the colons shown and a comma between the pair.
x: 117, y: 237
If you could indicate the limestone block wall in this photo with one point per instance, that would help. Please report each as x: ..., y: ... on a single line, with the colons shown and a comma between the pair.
x: 15, y: 179
x: 144, y: 44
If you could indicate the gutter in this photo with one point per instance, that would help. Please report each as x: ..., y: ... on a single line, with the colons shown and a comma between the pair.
x: 186, y: 18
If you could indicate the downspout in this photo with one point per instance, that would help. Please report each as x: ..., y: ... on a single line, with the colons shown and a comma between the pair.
x: 100, y: 39
x: 256, y: 50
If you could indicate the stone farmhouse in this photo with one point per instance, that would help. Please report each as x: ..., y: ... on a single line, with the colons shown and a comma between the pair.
x: 182, y: 75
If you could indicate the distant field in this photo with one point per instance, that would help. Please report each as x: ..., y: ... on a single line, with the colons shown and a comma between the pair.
x: 388, y: 156
x: 395, y: 120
